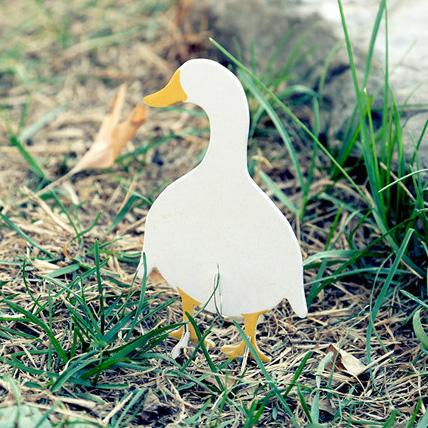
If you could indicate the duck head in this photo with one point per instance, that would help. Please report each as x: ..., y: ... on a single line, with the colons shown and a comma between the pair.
x: 220, y: 94
x: 199, y: 81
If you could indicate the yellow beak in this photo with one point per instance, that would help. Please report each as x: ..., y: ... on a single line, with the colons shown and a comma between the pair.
x: 171, y: 94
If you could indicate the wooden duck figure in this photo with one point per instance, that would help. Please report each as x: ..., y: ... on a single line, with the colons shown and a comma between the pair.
x: 216, y: 220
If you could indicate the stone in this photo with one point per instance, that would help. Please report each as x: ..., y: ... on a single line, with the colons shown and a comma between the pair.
x: 303, y: 34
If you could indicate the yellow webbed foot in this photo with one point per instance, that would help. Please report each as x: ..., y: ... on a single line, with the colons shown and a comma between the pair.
x: 177, y: 334
x: 234, y: 351
x: 188, y: 305
x: 238, y: 350
x: 261, y: 354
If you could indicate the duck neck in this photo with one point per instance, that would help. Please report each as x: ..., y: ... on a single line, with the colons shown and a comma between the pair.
x: 227, y: 149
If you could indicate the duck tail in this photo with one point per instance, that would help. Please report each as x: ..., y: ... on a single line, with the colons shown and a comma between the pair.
x: 297, y: 301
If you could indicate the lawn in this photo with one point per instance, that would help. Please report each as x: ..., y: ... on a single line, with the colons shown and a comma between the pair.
x: 84, y: 343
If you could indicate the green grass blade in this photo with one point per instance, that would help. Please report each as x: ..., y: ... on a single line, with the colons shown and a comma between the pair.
x: 32, y: 163
x: 278, y: 193
x: 32, y: 129
x: 135, y: 197
x: 419, y: 329
x: 267, y: 376
x: 278, y: 125
x: 399, y: 180
x: 100, y: 288
x: 298, y: 372
x: 23, y: 235
x: 384, y: 290
x: 37, y: 321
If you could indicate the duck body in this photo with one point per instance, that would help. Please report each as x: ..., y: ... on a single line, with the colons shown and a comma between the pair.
x: 199, y: 228
x: 213, y: 233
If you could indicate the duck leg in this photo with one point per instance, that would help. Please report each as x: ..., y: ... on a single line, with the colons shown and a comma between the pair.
x: 238, y: 350
x: 188, y: 304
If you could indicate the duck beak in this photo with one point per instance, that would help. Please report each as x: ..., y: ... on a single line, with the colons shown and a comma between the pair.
x: 171, y: 94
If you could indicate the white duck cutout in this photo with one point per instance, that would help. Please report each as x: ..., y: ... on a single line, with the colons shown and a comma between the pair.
x: 216, y: 220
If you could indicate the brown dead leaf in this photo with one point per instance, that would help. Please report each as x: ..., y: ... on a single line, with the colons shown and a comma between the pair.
x: 112, y: 136
x: 347, y: 362
x: 109, y: 142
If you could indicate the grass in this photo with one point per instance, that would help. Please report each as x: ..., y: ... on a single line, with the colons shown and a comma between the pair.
x: 84, y: 342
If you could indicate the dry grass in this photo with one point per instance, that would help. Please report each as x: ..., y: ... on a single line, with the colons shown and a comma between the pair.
x: 74, y: 59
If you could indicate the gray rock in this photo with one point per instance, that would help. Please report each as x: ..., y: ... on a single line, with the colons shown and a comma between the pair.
x: 302, y: 35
